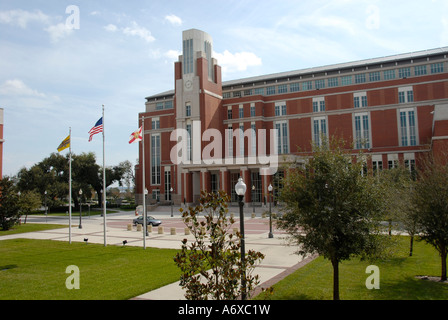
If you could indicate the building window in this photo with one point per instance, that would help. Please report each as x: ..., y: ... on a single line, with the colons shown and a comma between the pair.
x: 167, y: 185
x: 259, y: 91
x: 253, y: 141
x: 319, y: 130
x: 362, y: 131
x: 319, y: 104
x: 404, y: 72
x: 159, y: 106
x: 229, y: 113
x: 189, y: 141
x: 436, y: 68
x: 188, y: 56
x: 230, y: 141
x: 248, y: 92
x: 270, y: 90
x: 282, y: 137
x: 241, y: 137
x: 419, y: 70
x: 169, y: 105
x: 360, y: 99
x: 333, y: 82
x: 155, y: 123
x: 360, y: 78
x: 405, y: 95
x: 409, y: 164
x: 346, y: 81
x: 280, y: 109
x: 408, y: 127
x: 389, y: 75
x: 188, y: 110
x: 377, y: 164
x: 226, y: 95
x: 155, y: 159
x: 214, y: 182
x: 392, y: 161
x: 236, y: 94
x: 241, y: 111
x: 283, y: 88
x: 252, y: 110
x: 256, y: 182
x: 294, y: 87
x: 307, y: 85
x: 374, y: 76
x: 320, y: 84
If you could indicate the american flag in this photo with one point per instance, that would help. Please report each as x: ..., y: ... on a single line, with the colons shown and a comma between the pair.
x: 96, y: 129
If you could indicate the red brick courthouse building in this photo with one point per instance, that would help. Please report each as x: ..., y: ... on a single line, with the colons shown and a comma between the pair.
x: 394, y: 108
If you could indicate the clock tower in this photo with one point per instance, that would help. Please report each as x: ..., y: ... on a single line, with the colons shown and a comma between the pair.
x: 198, y: 97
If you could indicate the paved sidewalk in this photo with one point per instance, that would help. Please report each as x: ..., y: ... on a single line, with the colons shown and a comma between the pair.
x: 280, y: 259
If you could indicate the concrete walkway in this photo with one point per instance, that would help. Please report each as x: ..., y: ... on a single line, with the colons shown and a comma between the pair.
x: 280, y: 259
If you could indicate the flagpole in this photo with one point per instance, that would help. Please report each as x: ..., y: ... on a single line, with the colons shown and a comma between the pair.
x: 70, y: 189
x: 104, y: 183
x: 145, y: 227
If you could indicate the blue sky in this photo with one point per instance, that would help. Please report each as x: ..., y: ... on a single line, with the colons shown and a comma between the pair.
x: 54, y: 75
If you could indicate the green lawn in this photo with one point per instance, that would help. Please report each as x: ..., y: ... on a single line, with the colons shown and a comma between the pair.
x: 35, y: 269
x: 31, y: 227
x: 397, y: 278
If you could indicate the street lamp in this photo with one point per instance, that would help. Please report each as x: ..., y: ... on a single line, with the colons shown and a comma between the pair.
x: 45, y: 193
x: 145, y: 217
x: 240, y: 189
x: 270, y: 188
x: 253, y: 199
x: 80, y: 210
x: 171, y: 201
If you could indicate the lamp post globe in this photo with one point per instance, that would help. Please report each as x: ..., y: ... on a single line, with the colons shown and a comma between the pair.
x: 270, y: 188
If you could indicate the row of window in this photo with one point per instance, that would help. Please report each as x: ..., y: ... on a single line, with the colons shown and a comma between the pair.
x: 405, y: 95
x: 332, y: 82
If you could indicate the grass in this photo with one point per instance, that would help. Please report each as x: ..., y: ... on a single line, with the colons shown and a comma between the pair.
x: 31, y: 227
x: 397, y: 278
x: 35, y: 270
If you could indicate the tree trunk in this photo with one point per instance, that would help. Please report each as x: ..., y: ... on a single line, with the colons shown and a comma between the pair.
x: 443, y: 254
x: 411, y: 246
x: 335, y: 264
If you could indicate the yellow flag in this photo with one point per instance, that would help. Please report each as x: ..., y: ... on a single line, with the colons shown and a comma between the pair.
x: 64, y: 144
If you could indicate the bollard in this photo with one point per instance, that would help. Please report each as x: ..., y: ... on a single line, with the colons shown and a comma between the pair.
x: 173, y: 231
x: 253, y: 215
x: 139, y: 227
x: 187, y: 231
x: 232, y: 215
x: 129, y: 227
x: 160, y: 230
x: 149, y: 228
x: 263, y: 215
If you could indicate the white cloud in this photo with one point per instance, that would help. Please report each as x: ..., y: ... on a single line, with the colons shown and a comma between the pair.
x: 58, y: 31
x: 21, y: 18
x: 239, y: 61
x: 173, y: 54
x: 136, y: 30
x: 174, y: 20
x: 17, y: 87
x: 111, y: 28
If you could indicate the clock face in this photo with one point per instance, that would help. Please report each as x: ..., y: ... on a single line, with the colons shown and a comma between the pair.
x: 188, y: 84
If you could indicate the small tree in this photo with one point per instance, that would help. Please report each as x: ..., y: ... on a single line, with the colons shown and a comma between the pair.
x: 29, y: 201
x: 398, y: 187
x: 211, y: 265
x: 431, y: 203
x: 330, y: 207
x: 9, y: 207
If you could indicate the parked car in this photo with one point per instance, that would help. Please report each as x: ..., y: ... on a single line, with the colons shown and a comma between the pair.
x: 149, y: 221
